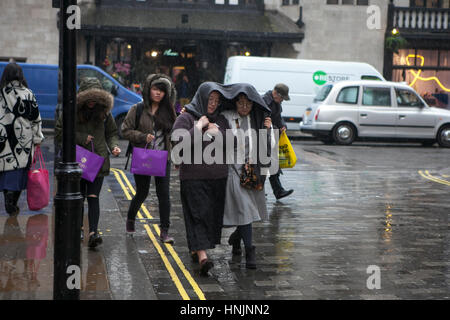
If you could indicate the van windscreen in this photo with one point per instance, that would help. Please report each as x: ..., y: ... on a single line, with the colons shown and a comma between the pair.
x: 323, y: 93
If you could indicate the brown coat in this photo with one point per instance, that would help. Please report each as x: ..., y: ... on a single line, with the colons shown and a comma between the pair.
x: 138, y: 137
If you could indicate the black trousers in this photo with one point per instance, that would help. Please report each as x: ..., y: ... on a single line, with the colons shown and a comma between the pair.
x: 87, y: 189
x: 162, y: 185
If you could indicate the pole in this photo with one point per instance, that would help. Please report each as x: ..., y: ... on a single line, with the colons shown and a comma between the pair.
x: 68, y: 200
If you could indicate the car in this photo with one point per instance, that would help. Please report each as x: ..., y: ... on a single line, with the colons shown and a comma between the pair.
x: 349, y: 110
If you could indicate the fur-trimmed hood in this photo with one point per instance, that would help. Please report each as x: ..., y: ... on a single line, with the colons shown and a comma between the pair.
x: 159, y: 78
x: 103, y: 99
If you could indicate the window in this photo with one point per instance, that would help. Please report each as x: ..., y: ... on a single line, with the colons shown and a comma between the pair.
x: 107, y: 84
x: 332, y: 1
x: 285, y: 3
x: 362, y: 2
x: 377, y: 97
x: 370, y: 78
x: 323, y: 93
x: 427, y: 3
x: 351, y: 2
x: 348, y: 95
x: 407, y: 98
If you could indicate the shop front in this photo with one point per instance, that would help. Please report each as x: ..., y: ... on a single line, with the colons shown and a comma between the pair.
x: 190, y: 47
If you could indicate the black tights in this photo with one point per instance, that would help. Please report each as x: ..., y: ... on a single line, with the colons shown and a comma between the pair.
x: 246, y: 233
x: 91, y: 191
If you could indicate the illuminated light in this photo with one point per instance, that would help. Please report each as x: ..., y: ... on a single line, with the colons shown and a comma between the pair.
x: 154, y: 54
x: 129, y: 46
x: 417, y: 75
x: 247, y: 53
x: 394, y: 31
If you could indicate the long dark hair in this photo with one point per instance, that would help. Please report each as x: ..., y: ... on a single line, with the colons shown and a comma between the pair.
x: 12, y: 72
x: 165, y: 115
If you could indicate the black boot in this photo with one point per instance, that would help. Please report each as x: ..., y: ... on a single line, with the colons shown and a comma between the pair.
x: 250, y: 258
x: 11, y: 202
x: 235, y: 241
x: 277, y: 188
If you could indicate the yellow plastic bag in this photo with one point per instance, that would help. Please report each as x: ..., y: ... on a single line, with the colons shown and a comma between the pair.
x: 286, y: 154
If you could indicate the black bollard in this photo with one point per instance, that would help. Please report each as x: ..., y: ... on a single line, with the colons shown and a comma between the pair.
x: 68, y: 199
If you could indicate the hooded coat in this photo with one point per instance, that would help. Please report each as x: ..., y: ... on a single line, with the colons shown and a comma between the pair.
x: 137, y: 134
x: 97, y: 122
x: 196, y: 109
x: 20, y: 126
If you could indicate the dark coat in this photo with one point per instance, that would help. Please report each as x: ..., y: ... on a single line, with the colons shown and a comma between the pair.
x: 100, y: 125
x: 276, y: 110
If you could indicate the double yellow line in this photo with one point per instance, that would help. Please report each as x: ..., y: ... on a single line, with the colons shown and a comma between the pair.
x: 426, y: 174
x: 120, y: 177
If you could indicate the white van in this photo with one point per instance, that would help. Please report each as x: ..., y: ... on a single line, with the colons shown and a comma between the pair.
x: 305, y: 78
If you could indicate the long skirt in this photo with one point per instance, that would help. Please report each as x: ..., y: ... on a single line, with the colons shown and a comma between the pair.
x: 203, y: 202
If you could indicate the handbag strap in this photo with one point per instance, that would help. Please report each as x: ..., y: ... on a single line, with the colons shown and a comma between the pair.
x: 38, y: 155
x: 92, y: 146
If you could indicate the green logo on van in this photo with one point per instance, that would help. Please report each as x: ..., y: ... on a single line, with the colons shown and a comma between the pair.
x: 320, y: 78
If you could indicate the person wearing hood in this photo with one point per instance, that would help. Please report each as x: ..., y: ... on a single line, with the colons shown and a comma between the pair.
x: 243, y: 206
x: 155, y: 124
x: 202, y: 184
x: 20, y: 133
x: 94, y: 126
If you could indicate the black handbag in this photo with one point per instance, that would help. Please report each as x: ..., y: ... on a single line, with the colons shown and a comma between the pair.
x: 249, y: 178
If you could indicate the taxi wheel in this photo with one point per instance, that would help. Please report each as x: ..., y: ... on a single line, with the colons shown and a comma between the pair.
x: 344, y: 133
x: 443, y: 136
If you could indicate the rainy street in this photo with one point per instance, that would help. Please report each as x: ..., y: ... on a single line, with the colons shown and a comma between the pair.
x: 369, y: 204
x: 367, y: 221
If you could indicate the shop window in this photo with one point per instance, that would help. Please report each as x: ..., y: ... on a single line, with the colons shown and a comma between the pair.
x: 428, y: 3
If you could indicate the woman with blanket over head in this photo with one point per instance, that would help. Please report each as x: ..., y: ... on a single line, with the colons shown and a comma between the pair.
x: 202, y: 184
x: 245, y: 205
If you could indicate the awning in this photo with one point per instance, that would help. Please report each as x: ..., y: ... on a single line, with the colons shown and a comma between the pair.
x: 255, y: 26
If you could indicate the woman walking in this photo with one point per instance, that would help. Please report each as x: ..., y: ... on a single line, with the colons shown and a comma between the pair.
x: 94, y: 126
x: 153, y: 126
x: 202, y: 185
x: 245, y: 205
x: 20, y: 134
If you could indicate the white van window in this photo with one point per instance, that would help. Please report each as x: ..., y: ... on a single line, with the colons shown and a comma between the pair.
x: 366, y: 77
x: 91, y: 73
x: 377, y: 97
x: 407, y: 98
x: 323, y: 93
x: 348, y: 95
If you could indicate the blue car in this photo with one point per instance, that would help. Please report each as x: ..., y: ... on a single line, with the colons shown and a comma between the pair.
x: 43, y: 81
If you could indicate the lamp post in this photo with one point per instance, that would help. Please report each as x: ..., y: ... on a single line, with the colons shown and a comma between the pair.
x: 68, y: 200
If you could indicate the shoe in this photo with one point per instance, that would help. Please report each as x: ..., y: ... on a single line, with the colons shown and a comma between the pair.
x: 194, y: 257
x: 235, y: 241
x: 164, y: 237
x: 283, y: 193
x: 130, y: 226
x: 205, y: 266
x: 10, y: 202
x: 250, y: 258
x: 94, y: 240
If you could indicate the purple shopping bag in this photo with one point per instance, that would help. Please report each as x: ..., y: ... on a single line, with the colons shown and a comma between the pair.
x: 149, y: 162
x: 89, y: 162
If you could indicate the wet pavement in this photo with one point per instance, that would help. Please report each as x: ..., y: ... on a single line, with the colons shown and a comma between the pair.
x: 354, y: 207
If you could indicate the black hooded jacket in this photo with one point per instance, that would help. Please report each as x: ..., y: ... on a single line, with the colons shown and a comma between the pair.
x: 195, y: 110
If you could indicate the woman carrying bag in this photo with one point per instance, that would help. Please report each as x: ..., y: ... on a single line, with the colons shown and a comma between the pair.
x: 20, y: 134
x: 94, y: 128
x: 245, y: 200
x: 153, y: 128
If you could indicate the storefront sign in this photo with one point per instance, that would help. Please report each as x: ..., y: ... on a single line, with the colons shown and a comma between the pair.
x: 170, y: 53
